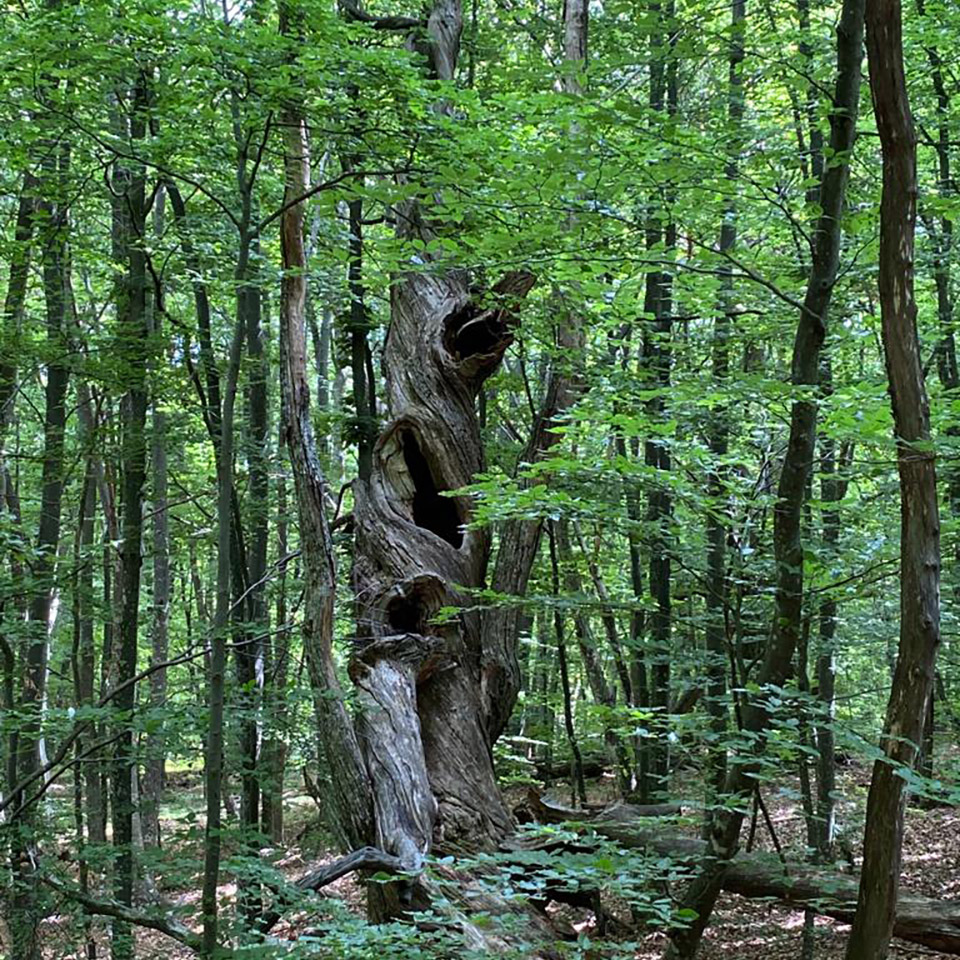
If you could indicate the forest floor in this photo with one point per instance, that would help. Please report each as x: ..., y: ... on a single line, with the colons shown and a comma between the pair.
x: 745, y: 929
x: 741, y: 929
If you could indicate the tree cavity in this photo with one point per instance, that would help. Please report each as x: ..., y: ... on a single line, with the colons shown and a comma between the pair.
x: 431, y: 510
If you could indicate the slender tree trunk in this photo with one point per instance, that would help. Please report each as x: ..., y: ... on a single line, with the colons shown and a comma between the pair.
x: 249, y: 641
x: 604, y: 693
x: 129, y: 226
x: 361, y: 364
x: 577, y: 786
x: 350, y: 800
x: 657, y: 361
x: 832, y: 491
x: 778, y: 656
x: 719, y: 430
x: 276, y: 663
x: 214, y: 773
x: 12, y: 614
x: 919, y: 511
x: 15, y: 300
x: 947, y: 367
x: 89, y: 800
x: 155, y: 759
x: 24, y: 920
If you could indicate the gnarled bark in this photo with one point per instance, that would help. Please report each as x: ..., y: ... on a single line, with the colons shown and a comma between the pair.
x: 414, y: 557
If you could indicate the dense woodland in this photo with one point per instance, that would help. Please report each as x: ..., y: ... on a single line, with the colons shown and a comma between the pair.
x: 474, y: 479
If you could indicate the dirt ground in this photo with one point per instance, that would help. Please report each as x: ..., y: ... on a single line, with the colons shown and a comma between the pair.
x: 741, y: 929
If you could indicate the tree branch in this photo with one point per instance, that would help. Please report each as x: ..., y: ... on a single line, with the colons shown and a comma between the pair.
x: 166, y: 925
x: 366, y: 858
x: 354, y: 12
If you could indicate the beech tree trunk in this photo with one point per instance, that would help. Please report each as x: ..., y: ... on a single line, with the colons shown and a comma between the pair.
x: 719, y: 429
x: 919, y: 512
x: 155, y: 760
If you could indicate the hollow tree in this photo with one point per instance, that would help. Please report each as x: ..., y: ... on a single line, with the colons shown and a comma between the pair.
x: 414, y: 770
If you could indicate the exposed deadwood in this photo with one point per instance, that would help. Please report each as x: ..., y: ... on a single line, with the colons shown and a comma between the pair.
x: 423, y: 735
x: 922, y: 920
x: 366, y: 858
x: 548, y: 812
x: 593, y: 766
x: 162, y: 923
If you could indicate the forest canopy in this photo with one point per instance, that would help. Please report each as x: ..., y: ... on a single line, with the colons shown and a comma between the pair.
x: 479, y: 479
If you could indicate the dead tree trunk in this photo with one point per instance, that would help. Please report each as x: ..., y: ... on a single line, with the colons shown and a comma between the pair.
x: 422, y: 722
x: 416, y: 772
x: 422, y: 718
x: 919, y: 512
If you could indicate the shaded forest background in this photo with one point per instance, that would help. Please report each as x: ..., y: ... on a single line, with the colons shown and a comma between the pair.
x: 403, y: 412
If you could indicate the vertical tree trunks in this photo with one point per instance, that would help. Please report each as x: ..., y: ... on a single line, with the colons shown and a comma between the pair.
x: 154, y: 761
x: 129, y: 226
x: 251, y: 584
x: 53, y: 211
x: 349, y: 796
x: 658, y: 307
x: 778, y: 656
x: 226, y: 531
x: 719, y: 428
x: 920, y: 522
x: 832, y: 490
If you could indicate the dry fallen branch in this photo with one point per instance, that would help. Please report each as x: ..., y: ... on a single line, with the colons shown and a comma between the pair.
x: 164, y: 924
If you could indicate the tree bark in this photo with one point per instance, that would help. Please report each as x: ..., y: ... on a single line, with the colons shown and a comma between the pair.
x: 348, y: 791
x: 15, y: 300
x: 656, y: 363
x: 129, y: 225
x: 832, y: 491
x: 214, y: 773
x: 155, y: 749
x: 23, y: 918
x: 919, y: 511
x: 421, y: 720
x: 719, y: 428
x: 276, y: 658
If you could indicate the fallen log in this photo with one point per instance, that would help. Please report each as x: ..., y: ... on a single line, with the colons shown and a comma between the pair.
x: 922, y: 920
x: 546, y: 811
x: 592, y: 766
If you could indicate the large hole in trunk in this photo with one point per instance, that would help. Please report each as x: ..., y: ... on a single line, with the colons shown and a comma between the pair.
x: 431, y: 511
x: 472, y: 332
